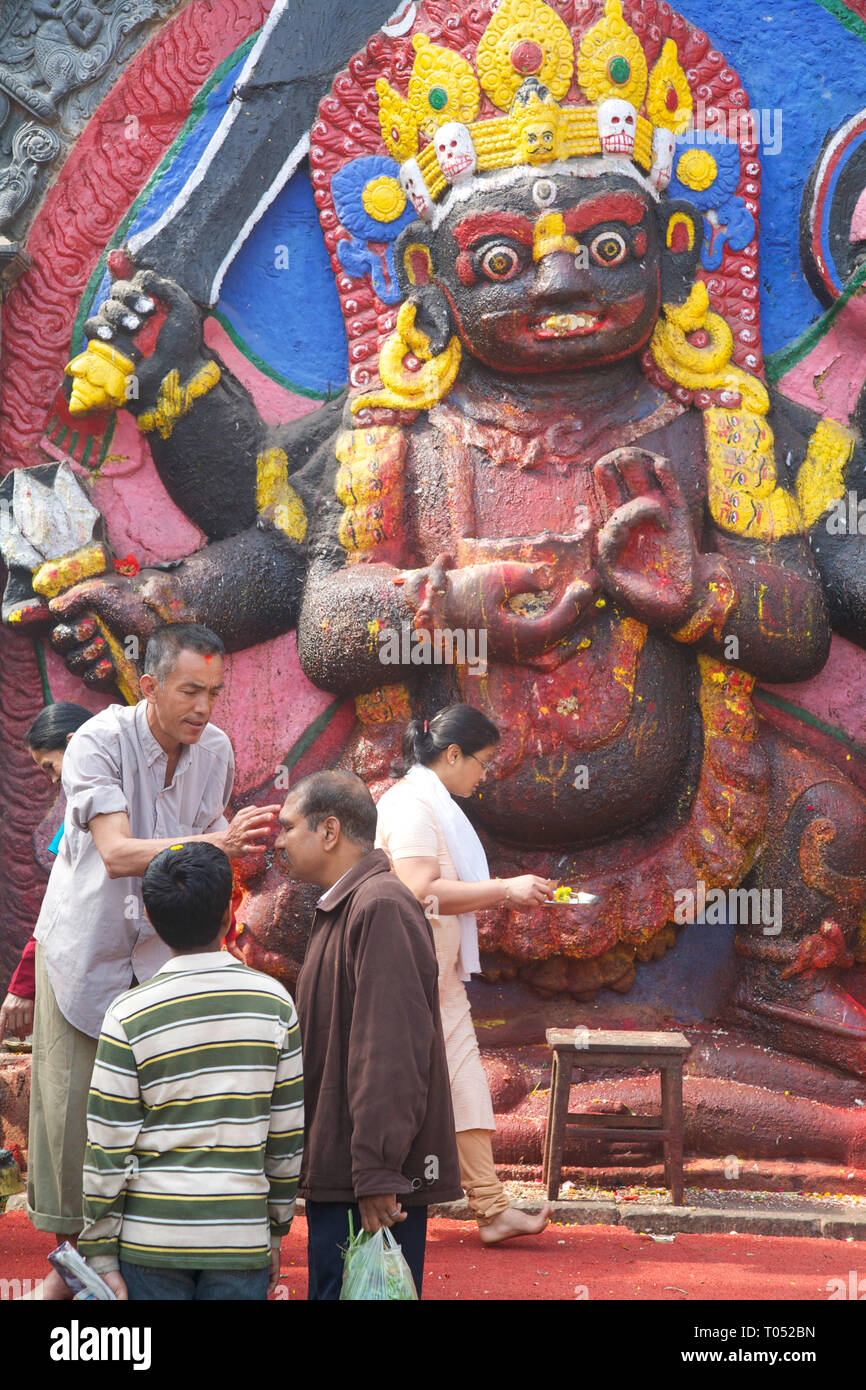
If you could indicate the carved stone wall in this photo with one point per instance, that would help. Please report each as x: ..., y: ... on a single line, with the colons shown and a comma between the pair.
x: 57, y: 62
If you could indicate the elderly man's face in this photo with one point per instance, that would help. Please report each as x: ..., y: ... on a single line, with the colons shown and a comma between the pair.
x: 182, y: 704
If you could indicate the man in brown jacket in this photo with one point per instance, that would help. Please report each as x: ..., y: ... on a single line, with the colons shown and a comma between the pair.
x: 379, y: 1128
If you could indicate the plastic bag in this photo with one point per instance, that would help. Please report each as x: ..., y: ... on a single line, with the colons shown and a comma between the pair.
x: 77, y: 1275
x: 375, y: 1268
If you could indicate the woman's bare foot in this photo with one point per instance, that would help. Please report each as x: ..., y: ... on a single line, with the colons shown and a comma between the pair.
x: 514, y: 1222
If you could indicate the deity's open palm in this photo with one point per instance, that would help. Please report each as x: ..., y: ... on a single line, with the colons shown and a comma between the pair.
x: 647, y: 554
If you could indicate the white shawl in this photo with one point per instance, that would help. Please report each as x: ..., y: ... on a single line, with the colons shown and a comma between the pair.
x: 465, y: 848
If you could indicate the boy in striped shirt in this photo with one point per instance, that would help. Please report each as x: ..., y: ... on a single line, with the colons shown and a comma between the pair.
x: 195, y: 1118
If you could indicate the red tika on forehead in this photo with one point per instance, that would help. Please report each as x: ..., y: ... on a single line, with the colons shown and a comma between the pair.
x: 348, y: 127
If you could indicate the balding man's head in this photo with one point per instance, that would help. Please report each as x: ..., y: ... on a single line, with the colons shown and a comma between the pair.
x: 339, y: 794
x: 328, y: 823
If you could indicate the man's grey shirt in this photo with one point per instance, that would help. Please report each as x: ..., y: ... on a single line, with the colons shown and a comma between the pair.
x: 92, y: 929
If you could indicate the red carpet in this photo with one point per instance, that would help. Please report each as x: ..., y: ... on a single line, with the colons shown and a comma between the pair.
x: 596, y: 1262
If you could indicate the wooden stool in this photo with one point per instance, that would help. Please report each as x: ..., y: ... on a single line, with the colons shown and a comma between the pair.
x: 583, y: 1047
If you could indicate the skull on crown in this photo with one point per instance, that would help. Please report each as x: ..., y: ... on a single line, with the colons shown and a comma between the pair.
x: 617, y: 126
x: 455, y: 152
x: 415, y: 187
x: 664, y: 145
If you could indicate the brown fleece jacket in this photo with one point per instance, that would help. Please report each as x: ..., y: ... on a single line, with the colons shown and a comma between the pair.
x: 376, y: 1093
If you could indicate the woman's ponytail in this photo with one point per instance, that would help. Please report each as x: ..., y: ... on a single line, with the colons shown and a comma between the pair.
x: 426, y: 740
x: 418, y: 743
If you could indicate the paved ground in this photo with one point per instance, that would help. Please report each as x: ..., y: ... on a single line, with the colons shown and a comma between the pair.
x: 600, y: 1263
x: 706, y: 1211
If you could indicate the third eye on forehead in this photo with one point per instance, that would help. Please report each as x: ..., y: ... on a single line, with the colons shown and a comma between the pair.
x: 580, y: 210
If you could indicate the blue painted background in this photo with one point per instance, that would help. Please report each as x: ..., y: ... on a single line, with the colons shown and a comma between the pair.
x: 795, y: 56
x: 792, y: 55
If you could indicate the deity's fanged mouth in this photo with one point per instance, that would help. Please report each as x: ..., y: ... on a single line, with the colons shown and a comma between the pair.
x: 568, y: 325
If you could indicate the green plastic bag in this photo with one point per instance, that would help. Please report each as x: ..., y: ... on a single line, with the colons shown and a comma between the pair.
x: 375, y: 1268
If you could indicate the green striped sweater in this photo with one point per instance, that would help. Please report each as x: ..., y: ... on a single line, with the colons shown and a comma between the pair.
x: 195, y: 1120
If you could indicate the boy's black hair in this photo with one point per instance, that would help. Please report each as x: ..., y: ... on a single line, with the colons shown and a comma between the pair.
x: 186, y: 890
x: 339, y: 794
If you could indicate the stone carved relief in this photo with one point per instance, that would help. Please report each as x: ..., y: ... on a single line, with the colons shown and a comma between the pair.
x: 449, y: 395
x: 32, y: 145
x: 52, y: 50
x: 274, y: 934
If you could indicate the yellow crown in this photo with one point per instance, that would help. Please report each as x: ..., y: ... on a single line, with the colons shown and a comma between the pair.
x: 524, y: 63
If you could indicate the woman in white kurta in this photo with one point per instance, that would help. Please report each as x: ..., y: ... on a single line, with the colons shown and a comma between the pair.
x: 435, y: 851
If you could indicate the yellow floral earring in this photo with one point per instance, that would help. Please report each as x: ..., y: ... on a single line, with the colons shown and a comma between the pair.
x: 413, y: 378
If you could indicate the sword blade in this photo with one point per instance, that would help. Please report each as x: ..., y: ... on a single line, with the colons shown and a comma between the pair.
x: 259, y: 143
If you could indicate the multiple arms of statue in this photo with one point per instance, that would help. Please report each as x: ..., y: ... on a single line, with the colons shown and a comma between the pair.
x: 221, y: 465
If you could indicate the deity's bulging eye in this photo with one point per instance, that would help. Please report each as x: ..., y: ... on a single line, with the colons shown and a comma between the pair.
x: 608, y: 249
x: 500, y: 262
